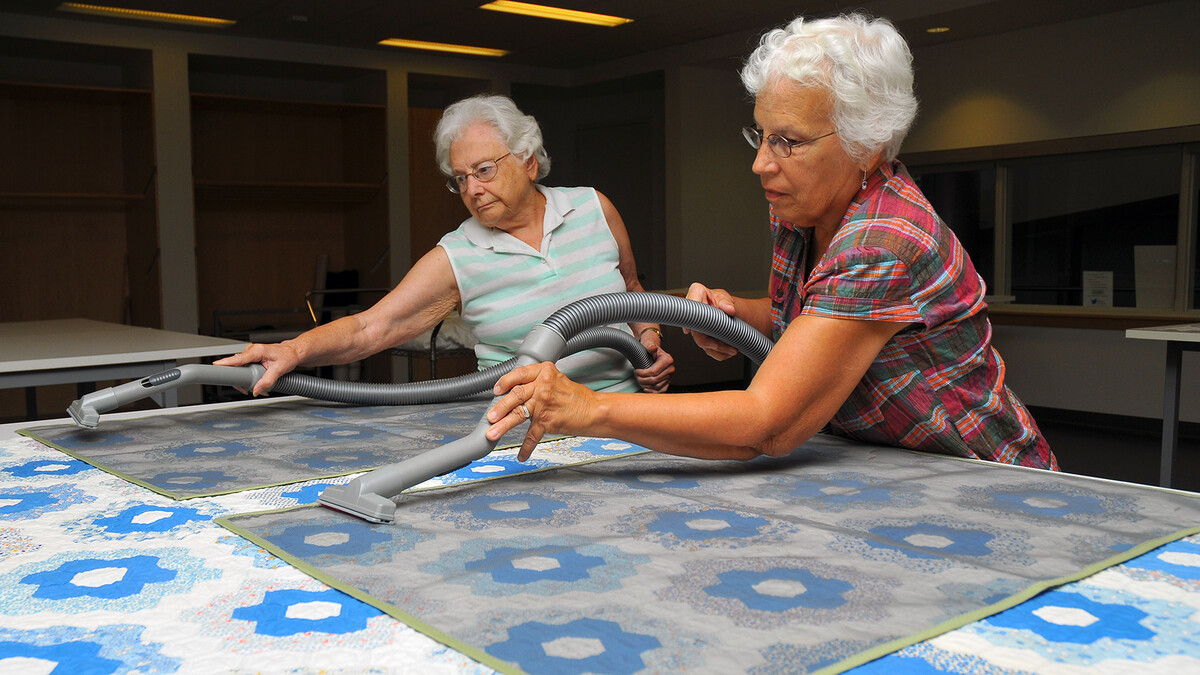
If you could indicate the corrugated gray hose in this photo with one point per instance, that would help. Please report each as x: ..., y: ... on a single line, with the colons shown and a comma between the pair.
x: 451, y: 388
x: 371, y: 495
x: 86, y: 410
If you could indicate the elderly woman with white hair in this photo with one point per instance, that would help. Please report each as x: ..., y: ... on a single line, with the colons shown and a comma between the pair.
x: 526, y: 251
x: 878, y: 313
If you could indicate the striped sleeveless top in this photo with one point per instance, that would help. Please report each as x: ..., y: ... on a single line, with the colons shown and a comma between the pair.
x: 507, y: 287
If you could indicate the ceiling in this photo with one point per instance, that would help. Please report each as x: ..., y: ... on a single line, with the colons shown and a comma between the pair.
x: 657, y: 24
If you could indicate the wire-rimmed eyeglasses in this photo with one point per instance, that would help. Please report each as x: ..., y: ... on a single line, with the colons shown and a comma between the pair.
x: 782, y: 147
x: 484, y: 173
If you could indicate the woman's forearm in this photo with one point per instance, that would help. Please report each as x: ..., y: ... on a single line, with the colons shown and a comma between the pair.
x: 756, y: 312
x: 707, y: 425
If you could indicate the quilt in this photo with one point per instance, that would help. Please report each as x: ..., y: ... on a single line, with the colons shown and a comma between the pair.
x: 214, y: 452
x: 816, y: 562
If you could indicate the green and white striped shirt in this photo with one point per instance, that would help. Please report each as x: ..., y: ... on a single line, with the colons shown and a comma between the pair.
x: 507, y: 287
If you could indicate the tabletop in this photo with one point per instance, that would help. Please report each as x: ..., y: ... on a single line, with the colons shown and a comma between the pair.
x: 80, y: 343
x: 136, y: 581
x: 1187, y: 332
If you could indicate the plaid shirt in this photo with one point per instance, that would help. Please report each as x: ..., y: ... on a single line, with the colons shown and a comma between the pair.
x: 937, y: 385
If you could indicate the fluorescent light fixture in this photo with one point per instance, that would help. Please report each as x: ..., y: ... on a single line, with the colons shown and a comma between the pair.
x: 557, y: 13
x: 164, y: 17
x: 443, y: 47
x: 938, y: 29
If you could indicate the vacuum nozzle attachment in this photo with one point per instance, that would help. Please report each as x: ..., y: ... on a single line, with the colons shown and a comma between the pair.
x: 369, y: 495
x: 86, y: 411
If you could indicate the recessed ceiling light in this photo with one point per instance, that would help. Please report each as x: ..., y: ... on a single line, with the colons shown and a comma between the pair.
x: 143, y: 15
x: 938, y: 29
x: 557, y: 13
x: 443, y: 47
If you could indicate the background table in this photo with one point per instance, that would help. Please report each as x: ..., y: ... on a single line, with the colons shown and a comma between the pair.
x: 64, y: 351
x: 1179, y: 338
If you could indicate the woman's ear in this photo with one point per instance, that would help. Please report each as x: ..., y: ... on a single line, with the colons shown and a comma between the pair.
x: 871, y: 163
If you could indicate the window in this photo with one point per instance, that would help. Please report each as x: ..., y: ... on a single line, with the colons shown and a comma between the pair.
x: 1094, y: 212
x: 1036, y: 227
x: 965, y: 198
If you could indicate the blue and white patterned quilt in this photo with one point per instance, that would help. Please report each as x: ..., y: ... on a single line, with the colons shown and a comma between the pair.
x: 98, y: 575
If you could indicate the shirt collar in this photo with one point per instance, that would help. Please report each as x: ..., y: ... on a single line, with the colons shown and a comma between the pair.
x: 558, y: 205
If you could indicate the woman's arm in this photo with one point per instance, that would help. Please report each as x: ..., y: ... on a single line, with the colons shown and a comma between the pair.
x: 426, y: 295
x: 807, y: 376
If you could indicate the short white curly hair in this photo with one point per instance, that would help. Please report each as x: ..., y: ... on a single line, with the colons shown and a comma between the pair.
x: 863, y: 62
x: 518, y: 131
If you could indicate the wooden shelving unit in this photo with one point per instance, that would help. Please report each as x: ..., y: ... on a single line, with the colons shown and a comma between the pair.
x: 78, y: 203
x: 281, y: 183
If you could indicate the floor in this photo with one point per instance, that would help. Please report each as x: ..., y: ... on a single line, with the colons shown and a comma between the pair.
x: 1125, y: 449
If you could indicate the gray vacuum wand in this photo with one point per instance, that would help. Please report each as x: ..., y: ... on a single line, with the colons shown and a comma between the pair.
x: 86, y: 411
x: 366, y: 496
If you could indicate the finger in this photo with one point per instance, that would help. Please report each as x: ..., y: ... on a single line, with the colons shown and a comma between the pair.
x: 527, y: 447
x: 504, y: 408
x: 698, y: 292
x: 233, y: 360
x: 265, y: 383
x: 514, y: 377
x: 500, y: 426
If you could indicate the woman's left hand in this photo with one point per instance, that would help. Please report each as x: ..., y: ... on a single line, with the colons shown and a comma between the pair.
x: 657, y: 377
x: 543, y: 395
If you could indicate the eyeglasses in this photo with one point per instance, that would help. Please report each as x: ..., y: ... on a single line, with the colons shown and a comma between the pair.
x: 484, y: 173
x: 782, y: 147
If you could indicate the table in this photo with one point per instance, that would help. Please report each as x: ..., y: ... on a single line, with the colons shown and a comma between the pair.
x: 1179, y: 338
x: 64, y: 351
x: 200, y: 599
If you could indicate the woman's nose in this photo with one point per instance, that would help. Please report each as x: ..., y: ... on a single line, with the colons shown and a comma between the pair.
x: 764, y: 160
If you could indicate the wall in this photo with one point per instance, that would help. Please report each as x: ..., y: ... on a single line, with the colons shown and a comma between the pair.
x: 1098, y: 371
x: 1125, y: 71
x: 716, y: 216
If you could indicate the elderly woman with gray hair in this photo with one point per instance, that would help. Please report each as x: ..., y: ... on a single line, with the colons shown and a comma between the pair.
x: 526, y: 251
x: 878, y: 314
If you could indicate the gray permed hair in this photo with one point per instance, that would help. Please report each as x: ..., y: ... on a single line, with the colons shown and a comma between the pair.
x: 865, y: 65
x: 520, y: 132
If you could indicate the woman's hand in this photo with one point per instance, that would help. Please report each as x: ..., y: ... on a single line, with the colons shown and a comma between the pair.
x: 278, y: 359
x: 544, y: 396
x: 723, y: 301
x: 656, y: 377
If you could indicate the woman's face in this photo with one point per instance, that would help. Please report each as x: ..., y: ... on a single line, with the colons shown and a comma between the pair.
x: 813, y: 187
x: 492, y: 203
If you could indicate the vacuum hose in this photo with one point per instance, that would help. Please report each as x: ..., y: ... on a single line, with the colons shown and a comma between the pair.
x: 86, y: 411
x: 370, y: 495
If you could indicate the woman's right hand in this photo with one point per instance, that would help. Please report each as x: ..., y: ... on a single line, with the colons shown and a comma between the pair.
x: 279, y: 359
x: 723, y: 301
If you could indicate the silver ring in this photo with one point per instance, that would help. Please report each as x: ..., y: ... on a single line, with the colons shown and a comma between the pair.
x: 523, y: 411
